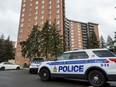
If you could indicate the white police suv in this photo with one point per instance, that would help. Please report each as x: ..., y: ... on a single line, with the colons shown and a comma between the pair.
x: 94, y: 65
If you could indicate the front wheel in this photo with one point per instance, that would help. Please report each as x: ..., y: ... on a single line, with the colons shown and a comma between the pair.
x: 44, y: 74
x: 96, y: 78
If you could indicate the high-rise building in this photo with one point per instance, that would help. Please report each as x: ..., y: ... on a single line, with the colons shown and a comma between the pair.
x: 37, y: 12
x: 79, y: 32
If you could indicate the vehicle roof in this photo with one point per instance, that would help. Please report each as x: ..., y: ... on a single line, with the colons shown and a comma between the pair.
x: 85, y: 50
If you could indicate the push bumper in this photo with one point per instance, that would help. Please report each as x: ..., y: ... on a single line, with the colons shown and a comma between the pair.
x: 111, y: 77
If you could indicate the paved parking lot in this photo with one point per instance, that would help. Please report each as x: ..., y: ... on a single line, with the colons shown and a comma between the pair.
x: 21, y: 78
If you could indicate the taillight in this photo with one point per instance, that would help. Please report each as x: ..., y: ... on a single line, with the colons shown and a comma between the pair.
x: 113, y: 59
x: 107, y: 61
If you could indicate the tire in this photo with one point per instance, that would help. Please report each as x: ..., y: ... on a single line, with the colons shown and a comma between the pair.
x: 96, y: 78
x: 18, y: 68
x: 2, y: 68
x: 30, y: 71
x: 45, y: 75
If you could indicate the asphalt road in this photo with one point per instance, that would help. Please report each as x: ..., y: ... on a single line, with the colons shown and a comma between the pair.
x: 21, y: 78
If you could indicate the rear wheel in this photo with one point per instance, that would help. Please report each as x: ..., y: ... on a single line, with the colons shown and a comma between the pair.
x: 18, y: 68
x: 45, y: 74
x: 2, y: 68
x: 96, y: 78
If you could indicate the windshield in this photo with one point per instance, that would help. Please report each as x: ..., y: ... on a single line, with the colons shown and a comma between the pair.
x: 64, y: 56
x: 104, y: 53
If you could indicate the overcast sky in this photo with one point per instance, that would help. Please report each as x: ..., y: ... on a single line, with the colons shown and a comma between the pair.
x: 102, y: 12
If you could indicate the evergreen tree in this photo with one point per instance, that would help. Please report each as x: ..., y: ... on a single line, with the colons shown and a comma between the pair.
x: 31, y: 47
x: 102, y: 42
x: 45, y: 40
x: 56, y: 41
x: 93, y: 42
x: 8, y: 50
x: 109, y: 41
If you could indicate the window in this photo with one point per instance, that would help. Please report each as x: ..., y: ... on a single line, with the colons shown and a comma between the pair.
x: 49, y: 12
x: 50, y: 7
x: 49, y: 17
x: 42, y: 17
x: 64, y: 56
x: 23, y: 9
x: 24, y: 0
x: 23, y: 5
x: 58, y: 22
x: 42, y: 7
x: 57, y: 6
x: 30, y: 4
x: 104, y: 53
x: 21, y: 30
x: 50, y: 2
x: 22, y: 15
x: 35, y: 17
x: 36, y: 12
x: 22, y: 20
x: 36, y: 2
x: 42, y: 2
x: 21, y: 25
x: 20, y: 35
x: 36, y: 7
x: 58, y: 16
x: 79, y: 55
x: 57, y: 1
x: 57, y: 11
x: 42, y: 12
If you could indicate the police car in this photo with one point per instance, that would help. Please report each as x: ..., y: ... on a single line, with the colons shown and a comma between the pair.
x: 35, y: 62
x: 94, y: 65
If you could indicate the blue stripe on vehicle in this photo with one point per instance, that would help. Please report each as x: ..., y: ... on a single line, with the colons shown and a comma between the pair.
x: 78, y: 62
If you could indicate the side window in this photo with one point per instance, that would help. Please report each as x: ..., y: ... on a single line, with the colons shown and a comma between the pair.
x: 64, y: 56
x: 79, y: 55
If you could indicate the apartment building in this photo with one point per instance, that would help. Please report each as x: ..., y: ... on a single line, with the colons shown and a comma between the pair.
x: 79, y: 32
x: 37, y: 12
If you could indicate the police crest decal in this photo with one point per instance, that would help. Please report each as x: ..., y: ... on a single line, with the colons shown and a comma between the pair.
x: 55, y: 69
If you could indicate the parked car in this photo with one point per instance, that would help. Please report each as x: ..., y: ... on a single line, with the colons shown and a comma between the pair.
x: 35, y: 62
x: 8, y: 65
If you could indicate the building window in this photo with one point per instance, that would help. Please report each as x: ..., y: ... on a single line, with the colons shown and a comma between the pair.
x: 30, y: 4
x: 24, y: 5
x: 58, y: 6
x: 35, y: 23
x: 58, y: 11
x: 36, y: 7
x: 42, y: 17
x: 22, y: 20
x: 57, y: 16
x: 42, y: 22
x: 42, y: 7
x: 35, y: 17
x: 36, y: 12
x: 57, y: 1
x: 24, y: 0
x: 50, y: 2
x: 20, y: 35
x: 42, y: 12
x: 23, y: 10
x: 36, y: 2
x: 49, y: 17
x: 50, y: 7
x: 57, y: 22
x: 21, y: 25
x: 72, y: 45
x: 49, y: 12
x: 21, y: 30
x: 42, y: 2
